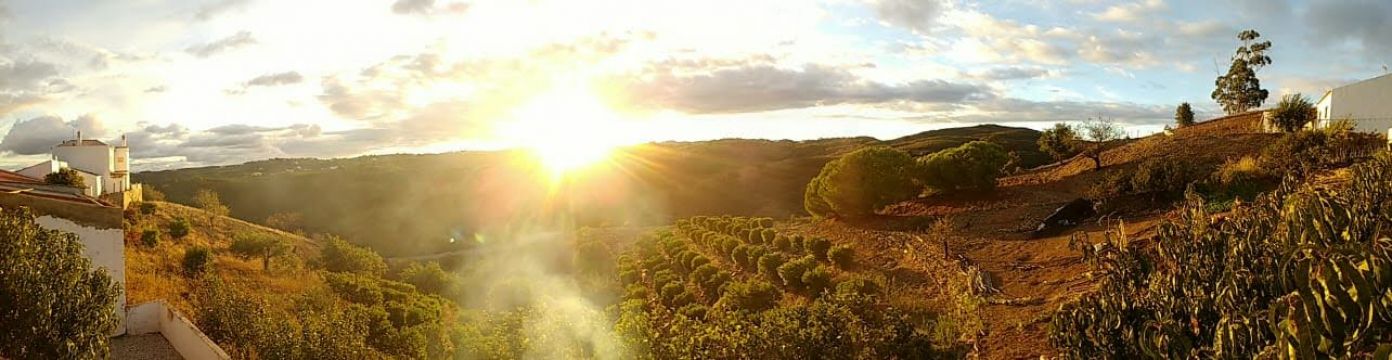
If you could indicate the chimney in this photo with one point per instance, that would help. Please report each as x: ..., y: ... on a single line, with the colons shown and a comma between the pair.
x: 123, y: 140
x: 79, y: 137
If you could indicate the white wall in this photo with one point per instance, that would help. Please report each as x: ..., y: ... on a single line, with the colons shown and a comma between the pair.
x: 93, y: 158
x: 157, y: 317
x: 38, y: 171
x: 1368, y: 103
x: 106, y: 248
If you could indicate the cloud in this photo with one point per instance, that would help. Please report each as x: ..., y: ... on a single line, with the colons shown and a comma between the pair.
x: 25, y: 75
x: 277, y: 79
x: 237, y: 40
x: 915, y: 15
x: 1366, y: 23
x: 1131, y: 12
x: 213, y: 9
x: 156, y: 89
x: 39, y: 135
x: 763, y: 87
x: 1021, y: 110
x: 426, y: 7
x: 1013, y: 73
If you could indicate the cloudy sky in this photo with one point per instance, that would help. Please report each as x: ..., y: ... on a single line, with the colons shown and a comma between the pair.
x: 208, y: 82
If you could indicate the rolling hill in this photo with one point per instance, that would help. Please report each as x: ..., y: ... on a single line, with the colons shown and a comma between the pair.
x: 415, y: 204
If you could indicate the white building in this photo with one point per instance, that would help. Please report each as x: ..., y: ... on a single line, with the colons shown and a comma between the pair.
x: 1367, y: 103
x: 104, y: 168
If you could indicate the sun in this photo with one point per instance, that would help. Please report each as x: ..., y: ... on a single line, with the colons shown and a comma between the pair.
x: 566, y: 130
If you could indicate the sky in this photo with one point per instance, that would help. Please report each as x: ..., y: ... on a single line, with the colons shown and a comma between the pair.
x: 215, y: 82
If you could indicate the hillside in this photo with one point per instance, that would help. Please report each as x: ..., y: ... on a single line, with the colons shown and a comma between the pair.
x: 414, y: 204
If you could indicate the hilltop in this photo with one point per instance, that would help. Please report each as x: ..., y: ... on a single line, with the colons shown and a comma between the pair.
x: 414, y: 204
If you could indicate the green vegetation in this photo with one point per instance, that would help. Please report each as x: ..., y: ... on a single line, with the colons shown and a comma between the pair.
x: 429, y: 278
x: 179, y: 228
x: 197, y: 261
x: 1184, y: 115
x: 340, y: 256
x: 54, y: 303
x: 1059, y: 141
x: 208, y: 201
x: 1301, y: 273
x: 259, y: 245
x: 1099, y: 133
x: 1300, y: 153
x: 972, y: 166
x: 149, y: 237
x: 1293, y: 112
x: 841, y: 255
x: 860, y: 183
x: 1240, y: 90
x: 66, y: 176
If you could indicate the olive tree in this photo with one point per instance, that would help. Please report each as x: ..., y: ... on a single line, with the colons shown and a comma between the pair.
x: 53, y: 303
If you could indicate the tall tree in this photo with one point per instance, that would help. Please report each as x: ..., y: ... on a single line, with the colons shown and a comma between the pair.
x: 1100, y: 132
x: 1239, y: 90
x: 208, y: 201
x: 1059, y: 141
x: 1184, y: 115
x: 54, y: 304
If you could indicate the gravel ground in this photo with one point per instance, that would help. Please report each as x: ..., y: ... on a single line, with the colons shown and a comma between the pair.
x: 143, y: 347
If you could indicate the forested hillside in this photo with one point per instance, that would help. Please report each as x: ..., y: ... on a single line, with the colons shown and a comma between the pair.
x: 414, y: 204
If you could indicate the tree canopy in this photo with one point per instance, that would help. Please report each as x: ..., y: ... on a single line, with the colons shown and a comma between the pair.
x: 1239, y: 89
x: 861, y: 182
x: 66, y: 176
x: 974, y: 165
x: 53, y: 303
x: 1059, y: 141
x: 1184, y: 115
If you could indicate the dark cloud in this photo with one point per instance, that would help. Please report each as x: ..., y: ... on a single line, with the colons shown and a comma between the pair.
x: 229, y: 143
x: 277, y: 79
x: 1012, y: 73
x: 915, y: 15
x: 215, y: 8
x: 762, y: 87
x: 38, y: 135
x: 1019, y: 110
x: 237, y: 40
x: 1363, y: 22
x: 426, y: 7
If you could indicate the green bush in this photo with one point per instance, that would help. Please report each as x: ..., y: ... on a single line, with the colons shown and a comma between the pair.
x: 197, y: 260
x: 816, y: 280
x: 356, y: 288
x: 259, y: 245
x: 1303, y: 152
x: 861, y: 182
x: 751, y: 295
x: 147, y: 208
x: 857, y: 286
x: 1293, y: 112
x: 791, y: 272
x: 66, y: 176
x: 740, y: 256
x: 693, y: 311
x: 340, y: 256
x: 149, y: 237
x: 818, y: 247
x: 728, y: 246
x: 842, y: 255
x: 1060, y: 141
x: 179, y: 228
x: 429, y: 278
x: 1163, y: 175
x: 782, y: 243
x: 767, y: 236
x: 769, y: 264
x: 971, y: 166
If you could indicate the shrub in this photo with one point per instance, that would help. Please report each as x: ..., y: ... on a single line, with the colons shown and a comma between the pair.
x: 796, y: 243
x: 147, y: 208
x: 791, y: 272
x: 842, y: 255
x: 740, y: 256
x: 66, y: 176
x: 179, y: 228
x: 1304, y: 151
x: 782, y: 243
x: 149, y: 193
x: 54, y: 303
x: 1060, y: 141
x: 819, y: 247
x: 971, y: 166
x: 150, y: 237
x: 1293, y: 112
x: 751, y: 259
x: 208, y: 201
x: 728, y: 246
x: 693, y: 311
x: 197, y: 260
x: 857, y: 286
x: 1165, y: 176
x: 1184, y: 115
x: 769, y: 264
x: 751, y: 295
x: 355, y: 288
x: 340, y: 256
x: 767, y: 236
x: 861, y: 182
x: 816, y: 280
x: 428, y: 278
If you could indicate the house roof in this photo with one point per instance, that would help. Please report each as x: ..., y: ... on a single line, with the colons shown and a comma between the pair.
x: 1368, y: 80
x: 85, y: 142
x: 14, y: 177
x: 49, y: 192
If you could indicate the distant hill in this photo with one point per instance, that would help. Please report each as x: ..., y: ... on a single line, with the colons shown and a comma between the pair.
x: 414, y: 204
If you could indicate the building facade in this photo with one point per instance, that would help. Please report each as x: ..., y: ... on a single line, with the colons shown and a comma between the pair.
x: 105, y: 169
x: 1366, y: 104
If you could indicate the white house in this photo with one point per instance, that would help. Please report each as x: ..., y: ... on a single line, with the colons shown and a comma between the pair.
x: 1367, y: 103
x: 104, y: 168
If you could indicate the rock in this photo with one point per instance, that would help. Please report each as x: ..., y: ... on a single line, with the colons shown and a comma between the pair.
x: 1066, y: 216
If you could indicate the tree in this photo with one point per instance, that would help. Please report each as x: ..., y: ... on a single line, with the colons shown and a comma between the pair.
x: 259, y: 245
x: 428, y: 278
x: 1059, y: 141
x: 149, y: 193
x: 340, y: 256
x: 1184, y: 115
x: 197, y: 260
x: 1099, y: 132
x: 1239, y: 90
x: 208, y: 201
x: 53, y: 303
x: 971, y: 166
x: 1293, y: 112
x: 66, y: 176
x: 861, y: 182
